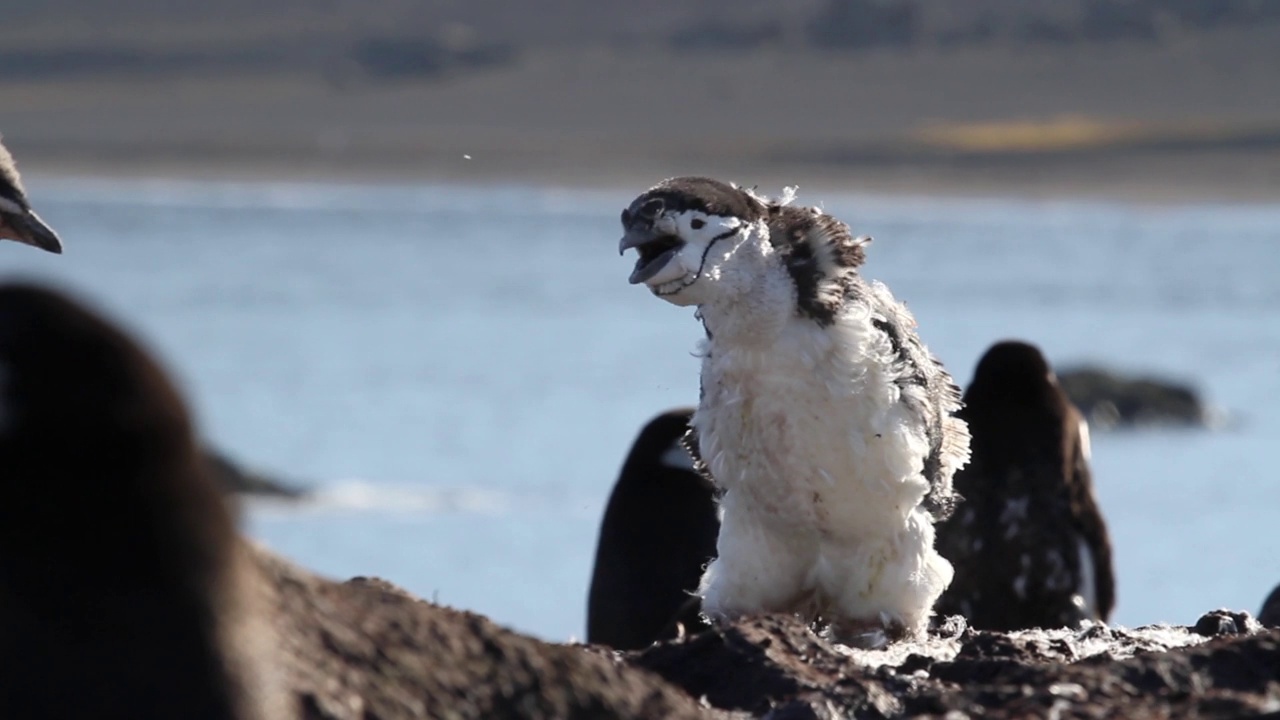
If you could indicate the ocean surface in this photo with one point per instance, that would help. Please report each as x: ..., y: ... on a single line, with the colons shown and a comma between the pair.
x: 459, y: 370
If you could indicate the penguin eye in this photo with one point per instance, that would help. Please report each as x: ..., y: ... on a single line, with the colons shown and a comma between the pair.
x: 697, y: 223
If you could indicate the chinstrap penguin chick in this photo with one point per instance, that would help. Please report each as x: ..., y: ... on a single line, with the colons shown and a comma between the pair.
x: 657, y: 535
x: 823, y: 421
x: 124, y: 590
x: 1029, y: 545
x: 17, y: 220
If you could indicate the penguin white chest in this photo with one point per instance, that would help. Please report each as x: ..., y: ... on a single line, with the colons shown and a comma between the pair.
x: 811, y: 433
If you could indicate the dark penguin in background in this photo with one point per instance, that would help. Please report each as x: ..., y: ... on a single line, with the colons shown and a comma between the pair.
x: 17, y: 220
x: 124, y: 588
x: 1028, y: 543
x: 659, y: 532
x: 1269, y: 616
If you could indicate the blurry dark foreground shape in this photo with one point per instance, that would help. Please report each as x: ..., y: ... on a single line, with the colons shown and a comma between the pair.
x: 233, y: 477
x: 125, y: 590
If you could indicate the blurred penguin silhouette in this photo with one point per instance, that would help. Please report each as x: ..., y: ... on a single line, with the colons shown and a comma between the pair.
x: 1028, y: 543
x: 125, y: 591
x: 659, y: 532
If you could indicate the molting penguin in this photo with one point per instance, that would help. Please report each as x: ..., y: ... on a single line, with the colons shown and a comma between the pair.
x: 124, y: 590
x: 1029, y: 544
x: 17, y: 220
x: 659, y: 532
x: 823, y: 421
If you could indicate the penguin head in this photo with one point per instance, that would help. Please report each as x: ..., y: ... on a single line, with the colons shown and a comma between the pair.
x: 17, y: 220
x: 700, y: 240
x: 1014, y: 367
x: 686, y: 232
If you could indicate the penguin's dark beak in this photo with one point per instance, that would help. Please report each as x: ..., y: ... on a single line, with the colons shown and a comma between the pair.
x: 656, y: 251
x: 637, y: 235
x: 26, y: 227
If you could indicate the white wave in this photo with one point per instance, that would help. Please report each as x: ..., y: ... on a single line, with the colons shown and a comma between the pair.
x: 361, y: 495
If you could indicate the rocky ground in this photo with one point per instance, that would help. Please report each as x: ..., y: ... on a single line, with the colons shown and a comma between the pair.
x: 366, y: 649
x: 1110, y: 399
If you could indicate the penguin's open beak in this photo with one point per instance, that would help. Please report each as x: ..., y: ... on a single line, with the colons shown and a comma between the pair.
x: 636, y: 236
x: 656, y: 251
x: 26, y: 227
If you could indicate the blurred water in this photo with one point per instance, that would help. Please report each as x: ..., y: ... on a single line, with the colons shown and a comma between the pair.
x: 461, y: 369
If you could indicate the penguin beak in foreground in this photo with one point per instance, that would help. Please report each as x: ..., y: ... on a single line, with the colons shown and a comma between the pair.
x: 26, y: 227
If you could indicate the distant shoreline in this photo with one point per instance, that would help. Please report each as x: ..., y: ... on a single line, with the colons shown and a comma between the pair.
x: 1192, y: 120
x: 1155, y: 180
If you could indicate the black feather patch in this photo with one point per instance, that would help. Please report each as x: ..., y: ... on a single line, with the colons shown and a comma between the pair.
x: 820, y: 254
x: 918, y: 368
